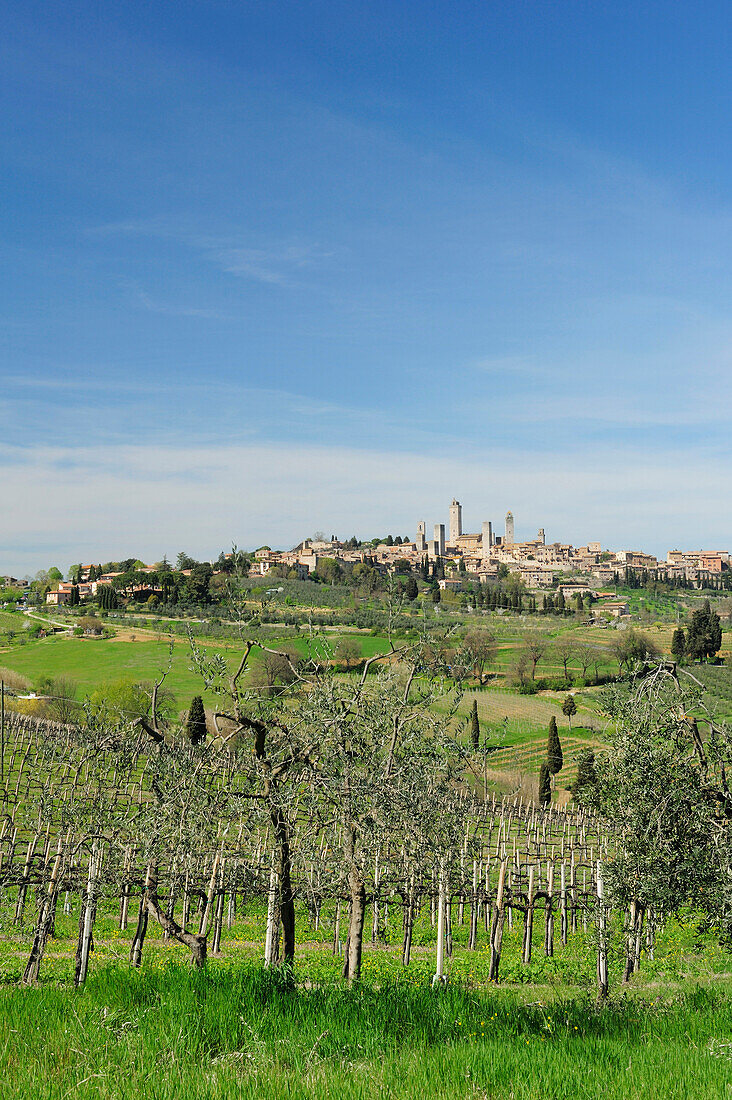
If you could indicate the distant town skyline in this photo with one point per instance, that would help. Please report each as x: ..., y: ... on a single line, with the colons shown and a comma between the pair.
x: 274, y: 268
x: 444, y: 524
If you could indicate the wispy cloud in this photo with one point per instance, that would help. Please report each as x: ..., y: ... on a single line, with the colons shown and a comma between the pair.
x: 167, y: 309
x: 278, y: 263
x: 141, y: 499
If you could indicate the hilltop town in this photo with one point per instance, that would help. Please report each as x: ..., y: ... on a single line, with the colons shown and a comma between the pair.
x: 452, y: 559
x: 481, y: 554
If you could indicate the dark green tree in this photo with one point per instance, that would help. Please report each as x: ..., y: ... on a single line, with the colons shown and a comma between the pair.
x: 196, y: 722
x: 586, y: 776
x: 678, y: 644
x: 74, y: 595
x: 475, y: 726
x: 545, y: 785
x: 569, y: 708
x: 704, y: 636
x: 554, y: 754
x: 411, y: 591
x: 106, y: 597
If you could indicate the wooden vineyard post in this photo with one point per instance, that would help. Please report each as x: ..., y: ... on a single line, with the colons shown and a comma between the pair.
x: 549, y: 926
x: 270, y: 941
x: 487, y: 905
x: 218, y: 922
x: 408, y: 921
x: 336, y: 928
x: 638, y: 937
x: 375, y: 922
x: 529, y: 920
x: 23, y: 888
x: 186, y: 899
x: 473, y: 937
x: 650, y: 934
x: 439, y: 976
x: 602, y: 977
x: 629, y: 941
x: 497, y: 925
x: 564, y: 922
x: 448, y: 923
x: 86, y: 918
x: 140, y: 932
x: 211, y: 896
x: 124, y: 902
x: 584, y: 895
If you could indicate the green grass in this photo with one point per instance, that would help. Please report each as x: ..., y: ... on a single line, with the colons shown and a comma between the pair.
x: 175, y: 1033
x: 90, y: 662
x: 11, y: 621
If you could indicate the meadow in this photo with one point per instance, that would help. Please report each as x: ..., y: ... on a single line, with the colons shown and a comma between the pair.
x: 236, y: 1030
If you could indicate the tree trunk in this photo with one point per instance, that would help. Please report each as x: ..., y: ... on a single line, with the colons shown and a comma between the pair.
x: 497, y: 926
x: 473, y: 935
x: 549, y: 925
x: 196, y: 943
x: 356, y: 918
x: 45, y: 920
x: 23, y: 888
x: 528, y: 920
x: 86, y: 920
x: 140, y: 932
x: 286, y: 893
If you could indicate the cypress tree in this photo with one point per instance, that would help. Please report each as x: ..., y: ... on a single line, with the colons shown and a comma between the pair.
x: 678, y: 644
x: 704, y: 636
x: 196, y: 722
x: 475, y: 726
x: 554, y: 754
x: 586, y: 775
x: 545, y: 786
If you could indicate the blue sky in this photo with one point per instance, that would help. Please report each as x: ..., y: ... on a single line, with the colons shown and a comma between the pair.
x: 277, y: 267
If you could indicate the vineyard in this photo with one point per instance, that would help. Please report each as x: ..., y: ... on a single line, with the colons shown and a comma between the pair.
x: 123, y: 821
x: 513, y: 861
x: 333, y: 866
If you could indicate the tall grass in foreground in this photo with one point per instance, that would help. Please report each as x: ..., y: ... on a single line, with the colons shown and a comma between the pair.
x: 178, y: 1034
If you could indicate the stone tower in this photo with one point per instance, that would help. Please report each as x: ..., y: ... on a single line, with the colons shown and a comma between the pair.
x: 456, y: 521
x: 487, y: 539
x: 421, y: 539
x: 509, y: 529
x: 439, y: 540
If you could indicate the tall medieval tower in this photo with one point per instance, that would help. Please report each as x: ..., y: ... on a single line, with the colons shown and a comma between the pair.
x: 509, y: 528
x: 456, y: 522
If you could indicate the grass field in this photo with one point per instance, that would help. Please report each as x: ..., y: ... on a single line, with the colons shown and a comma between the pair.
x: 140, y: 656
x: 224, y: 1035
x: 90, y: 662
x: 236, y: 1031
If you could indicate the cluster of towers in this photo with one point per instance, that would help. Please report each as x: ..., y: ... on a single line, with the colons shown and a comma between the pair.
x: 485, y: 540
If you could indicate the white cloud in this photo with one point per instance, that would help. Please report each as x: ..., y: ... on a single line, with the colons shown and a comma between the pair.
x: 97, y: 503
